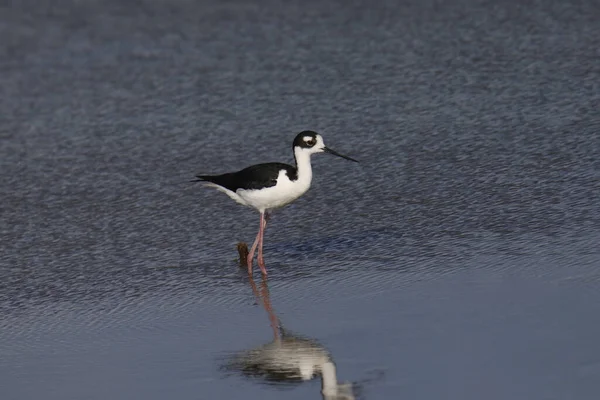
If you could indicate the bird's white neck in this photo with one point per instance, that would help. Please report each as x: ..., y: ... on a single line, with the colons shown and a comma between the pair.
x: 303, y: 165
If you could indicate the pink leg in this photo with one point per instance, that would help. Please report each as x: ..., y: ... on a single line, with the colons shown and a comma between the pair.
x: 261, y: 260
x: 263, y: 223
x: 251, y: 253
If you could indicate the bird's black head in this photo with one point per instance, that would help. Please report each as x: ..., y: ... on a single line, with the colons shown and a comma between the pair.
x: 307, y: 139
x: 310, y: 142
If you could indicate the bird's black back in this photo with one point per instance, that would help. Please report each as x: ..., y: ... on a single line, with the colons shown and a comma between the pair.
x: 257, y: 176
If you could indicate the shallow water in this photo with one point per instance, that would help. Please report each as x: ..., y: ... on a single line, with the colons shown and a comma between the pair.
x: 459, y: 259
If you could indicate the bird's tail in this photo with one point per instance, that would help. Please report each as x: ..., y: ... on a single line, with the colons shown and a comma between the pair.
x: 214, y: 180
x: 202, y: 178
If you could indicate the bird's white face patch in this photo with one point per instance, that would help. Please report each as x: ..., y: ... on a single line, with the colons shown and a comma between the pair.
x: 309, y: 140
x: 311, y: 144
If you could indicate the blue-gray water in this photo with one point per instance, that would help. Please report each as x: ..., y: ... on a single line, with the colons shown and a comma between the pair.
x: 459, y: 260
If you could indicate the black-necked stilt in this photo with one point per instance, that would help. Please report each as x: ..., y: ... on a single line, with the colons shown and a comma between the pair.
x: 265, y: 187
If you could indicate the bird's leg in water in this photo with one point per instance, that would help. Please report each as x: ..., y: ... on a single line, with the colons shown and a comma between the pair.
x: 261, y: 260
x: 251, y: 255
x: 253, y: 249
x: 264, y: 217
x: 258, y: 243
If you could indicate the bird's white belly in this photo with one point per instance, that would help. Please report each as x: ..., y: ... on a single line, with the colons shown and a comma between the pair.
x: 276, y: 196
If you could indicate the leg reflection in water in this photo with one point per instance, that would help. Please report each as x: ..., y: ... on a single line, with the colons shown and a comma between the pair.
x: 289, y: 358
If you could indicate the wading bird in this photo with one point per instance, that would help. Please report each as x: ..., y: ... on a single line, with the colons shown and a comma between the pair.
x: 268, y: 186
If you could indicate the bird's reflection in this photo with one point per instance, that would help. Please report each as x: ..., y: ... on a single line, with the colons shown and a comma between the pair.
x: 289, y: 357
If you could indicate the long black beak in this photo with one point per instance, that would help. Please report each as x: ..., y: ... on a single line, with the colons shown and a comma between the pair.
x: 335, y: 153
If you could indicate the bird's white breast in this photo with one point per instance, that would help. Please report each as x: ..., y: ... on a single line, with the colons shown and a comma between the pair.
x: 283, y: 193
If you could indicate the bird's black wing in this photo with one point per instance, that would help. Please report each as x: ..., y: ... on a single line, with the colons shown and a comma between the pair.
x: 257, y: 176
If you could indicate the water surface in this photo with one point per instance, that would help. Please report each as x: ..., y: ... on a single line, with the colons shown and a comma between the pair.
x: 458, y: 260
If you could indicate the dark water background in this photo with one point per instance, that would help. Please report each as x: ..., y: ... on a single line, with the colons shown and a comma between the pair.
x: 459, y: 260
